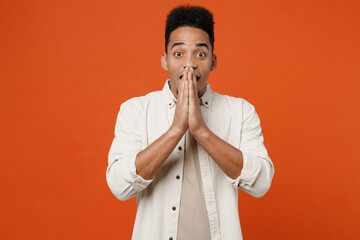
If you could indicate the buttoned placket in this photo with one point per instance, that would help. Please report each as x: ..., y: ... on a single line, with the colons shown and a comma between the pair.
x: 206, y: 177
x: 179, y: 154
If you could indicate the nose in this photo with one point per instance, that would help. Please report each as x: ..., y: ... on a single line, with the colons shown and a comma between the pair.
x: 189, y: 61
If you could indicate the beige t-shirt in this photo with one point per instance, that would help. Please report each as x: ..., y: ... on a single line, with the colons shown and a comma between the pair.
x: 193, y: 218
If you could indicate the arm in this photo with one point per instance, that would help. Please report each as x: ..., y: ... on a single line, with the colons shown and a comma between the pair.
x: 149, y: 161
x: 229, y: 158
x: 131, y: 168
x: 258, y: 169
x: 121, y: 175
x: 249, y: 167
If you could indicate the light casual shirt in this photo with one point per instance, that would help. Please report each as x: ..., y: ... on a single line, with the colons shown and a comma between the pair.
x: 142, y: 120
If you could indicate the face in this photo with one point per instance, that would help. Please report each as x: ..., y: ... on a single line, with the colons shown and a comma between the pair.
x: 188, y: 47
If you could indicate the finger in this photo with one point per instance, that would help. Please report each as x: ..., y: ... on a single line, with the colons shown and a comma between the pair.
x: 192, y: 95
x: 186, y: 92
x: 180, y: 92
x: 186, y: 86
x: 195, y: 85
x: 191, y: 82
x: 182, y: 86
x: 189, y: 74
x: 185, y: 75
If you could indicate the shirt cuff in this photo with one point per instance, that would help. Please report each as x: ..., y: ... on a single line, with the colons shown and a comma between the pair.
x: 250, y: 171
x: 131, y: 176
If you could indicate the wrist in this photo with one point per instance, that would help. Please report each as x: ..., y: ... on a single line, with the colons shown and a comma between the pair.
x: 201, y: 134
x: 176, y: 132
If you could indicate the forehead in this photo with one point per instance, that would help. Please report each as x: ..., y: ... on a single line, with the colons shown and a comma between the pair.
x: 189, y: 36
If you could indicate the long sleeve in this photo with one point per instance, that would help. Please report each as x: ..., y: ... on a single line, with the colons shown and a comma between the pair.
x: 121, y: 174
x: 258, y: 169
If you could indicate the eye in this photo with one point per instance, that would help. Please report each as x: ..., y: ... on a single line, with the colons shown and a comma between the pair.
x: 178, y: 54
x: 201, y: 54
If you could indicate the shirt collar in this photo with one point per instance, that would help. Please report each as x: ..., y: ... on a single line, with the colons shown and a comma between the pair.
x: 170, y: 99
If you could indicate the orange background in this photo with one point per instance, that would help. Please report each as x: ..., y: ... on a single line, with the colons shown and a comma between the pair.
x: 66, y: 66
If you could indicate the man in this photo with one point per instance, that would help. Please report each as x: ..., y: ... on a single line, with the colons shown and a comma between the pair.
x: 184, y: 151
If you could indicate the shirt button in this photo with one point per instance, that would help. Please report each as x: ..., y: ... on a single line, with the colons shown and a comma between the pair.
x: 180, y: 148
x: 206, y: 103
x: 177, y: 177
x: 169, y: 104
x: 170, y: 238
x: 173, y: 208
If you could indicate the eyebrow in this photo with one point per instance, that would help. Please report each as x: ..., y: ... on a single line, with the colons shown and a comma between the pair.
x: 177, y: 44
x: 197, y: 45
x: 202, y: 45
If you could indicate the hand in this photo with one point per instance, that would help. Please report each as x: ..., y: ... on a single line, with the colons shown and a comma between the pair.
x: 196, y: 121
x: 180, y: 122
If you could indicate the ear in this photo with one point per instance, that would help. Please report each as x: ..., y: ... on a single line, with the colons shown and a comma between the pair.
x: 214, y: 62
x: 164, y: 61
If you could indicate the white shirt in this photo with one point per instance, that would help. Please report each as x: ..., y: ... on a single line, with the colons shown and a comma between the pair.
x: 142, y: 120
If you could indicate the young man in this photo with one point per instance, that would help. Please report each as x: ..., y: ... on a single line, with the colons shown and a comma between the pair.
x: 184, y: 151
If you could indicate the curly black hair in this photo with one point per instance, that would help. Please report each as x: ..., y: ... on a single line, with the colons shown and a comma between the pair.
x: 192, y: 16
